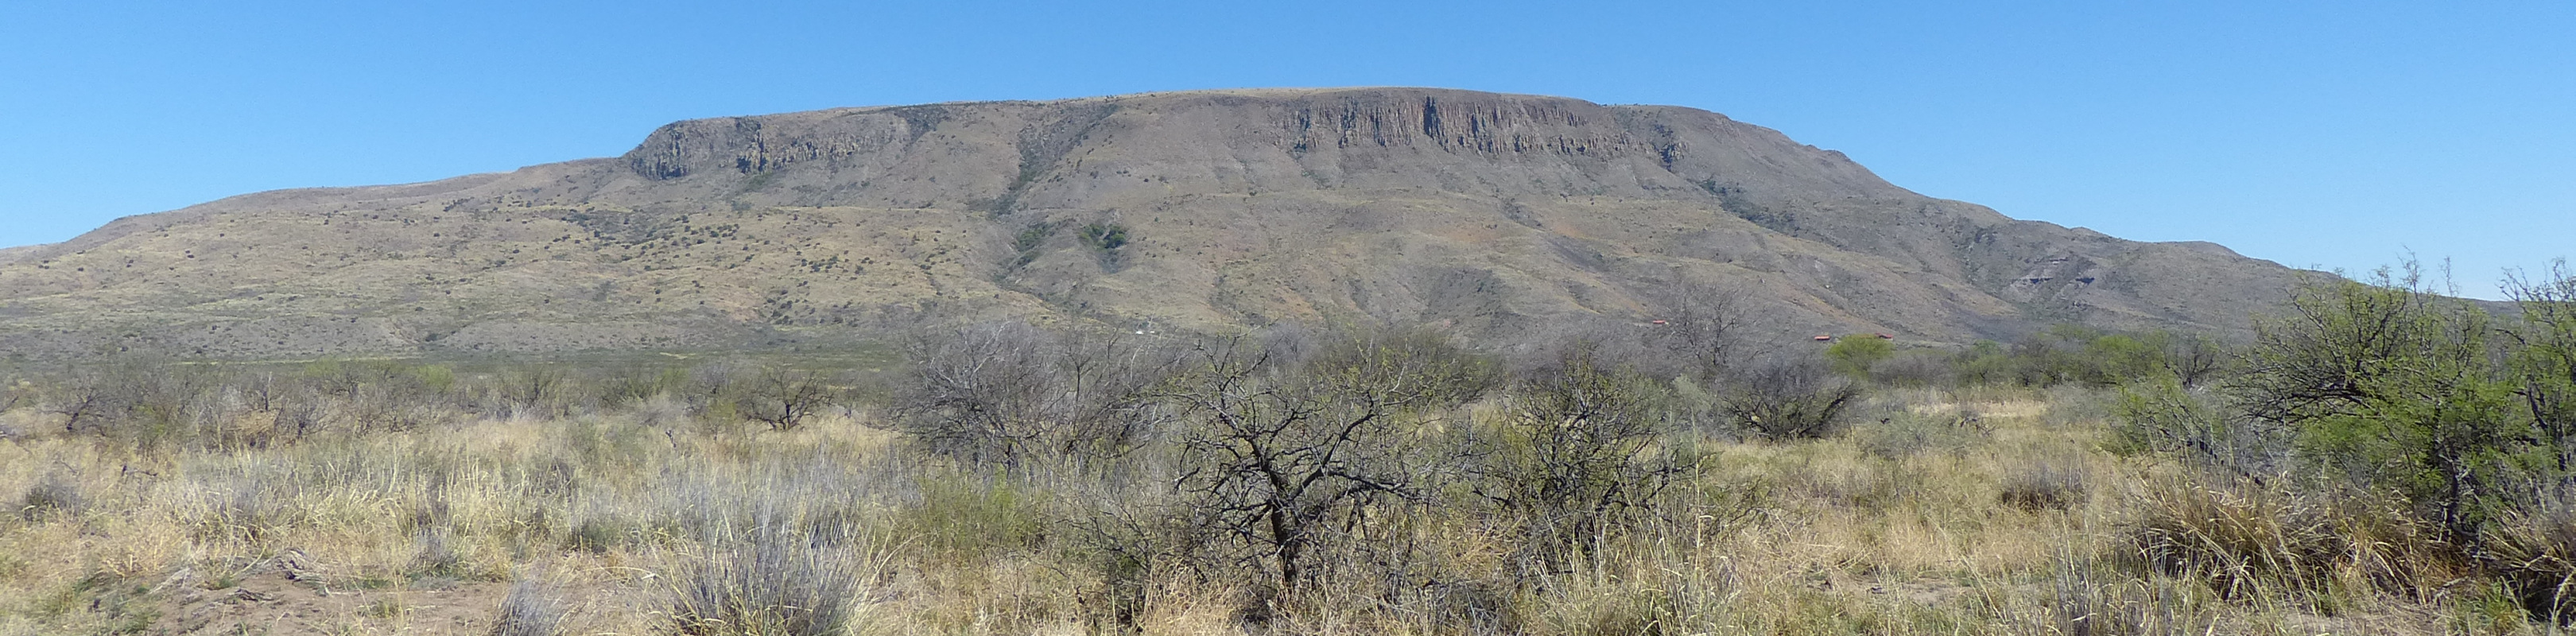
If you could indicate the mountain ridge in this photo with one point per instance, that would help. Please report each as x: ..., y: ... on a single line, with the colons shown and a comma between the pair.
x: 1491, y: 213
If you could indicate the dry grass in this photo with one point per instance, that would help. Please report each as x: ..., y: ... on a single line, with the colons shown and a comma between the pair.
x: 2013, y: 523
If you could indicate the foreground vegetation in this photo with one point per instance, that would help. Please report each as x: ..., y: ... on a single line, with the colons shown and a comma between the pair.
x: 2381, y: 460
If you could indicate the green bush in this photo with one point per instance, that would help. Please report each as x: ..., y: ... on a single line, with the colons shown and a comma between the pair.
x: 2074, y: 354
x: 1104, y: 236
x: 1854, y: 354
x: 2162, y: 416
x: 2387, y: 386
x: 2383, y: 389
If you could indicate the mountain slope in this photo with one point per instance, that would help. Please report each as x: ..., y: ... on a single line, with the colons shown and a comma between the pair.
x: 1490, y: 213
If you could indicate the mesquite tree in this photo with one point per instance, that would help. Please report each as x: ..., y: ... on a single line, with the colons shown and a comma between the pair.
x: 1578, y: 450
x: 1003, y: 393
x: 1278, y: 445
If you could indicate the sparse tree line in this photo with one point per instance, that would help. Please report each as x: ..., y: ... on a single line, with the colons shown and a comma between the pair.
x: 1287, y: 459
x: 152, y: 403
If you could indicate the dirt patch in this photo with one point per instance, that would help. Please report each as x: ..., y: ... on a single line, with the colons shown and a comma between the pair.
x: 1980, y: 410
x: 289, y: 594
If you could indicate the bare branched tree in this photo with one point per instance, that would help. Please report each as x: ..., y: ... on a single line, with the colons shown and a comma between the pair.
x: 1002, y: 393
x: 145, y: 400
x: 1279, y: 449
x: 784, y: 398
x: 1790, y: 398
x: 1701, y: 332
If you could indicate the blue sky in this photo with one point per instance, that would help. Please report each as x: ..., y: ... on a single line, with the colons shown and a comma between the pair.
x: 2333, y: 134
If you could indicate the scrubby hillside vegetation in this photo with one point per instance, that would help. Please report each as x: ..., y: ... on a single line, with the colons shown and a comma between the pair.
x: 2379, y: 459
x: 1499, y: 216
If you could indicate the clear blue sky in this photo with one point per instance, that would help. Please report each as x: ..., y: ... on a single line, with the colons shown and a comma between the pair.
x: 2334, y: 134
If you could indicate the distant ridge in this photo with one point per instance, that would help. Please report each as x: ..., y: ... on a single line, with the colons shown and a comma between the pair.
x: 1492, y: 214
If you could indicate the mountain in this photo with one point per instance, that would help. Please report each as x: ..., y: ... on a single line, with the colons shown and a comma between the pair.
x: 1201, y: 210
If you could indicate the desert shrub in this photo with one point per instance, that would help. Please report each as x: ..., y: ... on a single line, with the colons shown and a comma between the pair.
x: 1790, y: 398
x: 710, y: 392
x: 1580, y: 449
x: 1854, y: 355
x: 598, y: 531
x: 971, y: 517
x: 2542, y: 364
x: 1002, y: 393
x: 1894, y: 431
x: 1104, y: 236
x: 535, y: 391
x: 2162, y: 416
x: 54, y: 494
x: 2426, y: 429
x: 2531, y: 550
x: 1105, y: 240
x: 262, y: 409
x: 2387, y: 386
x: 662, y: 411
x: 632, y: 386
x: 2051, y: 483
x: 1130, y: 538
x: 146, y: 402
x: 1915, y: 368
x: 1030, y: 238
x: 1984, y: 363
x: 367, y: 396
x: 979, y: 393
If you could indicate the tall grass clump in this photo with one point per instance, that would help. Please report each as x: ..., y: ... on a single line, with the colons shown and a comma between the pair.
x: 530, y: 609
x: 2252, y: 541
x: 771, y: 580
x: 2533, y: 559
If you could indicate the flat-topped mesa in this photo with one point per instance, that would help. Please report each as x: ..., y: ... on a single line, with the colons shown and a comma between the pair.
x: 1213, y: 141
x: 1491, y: 214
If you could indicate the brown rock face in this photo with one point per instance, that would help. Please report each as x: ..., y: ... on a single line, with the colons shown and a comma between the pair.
x: 1494, y: 214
